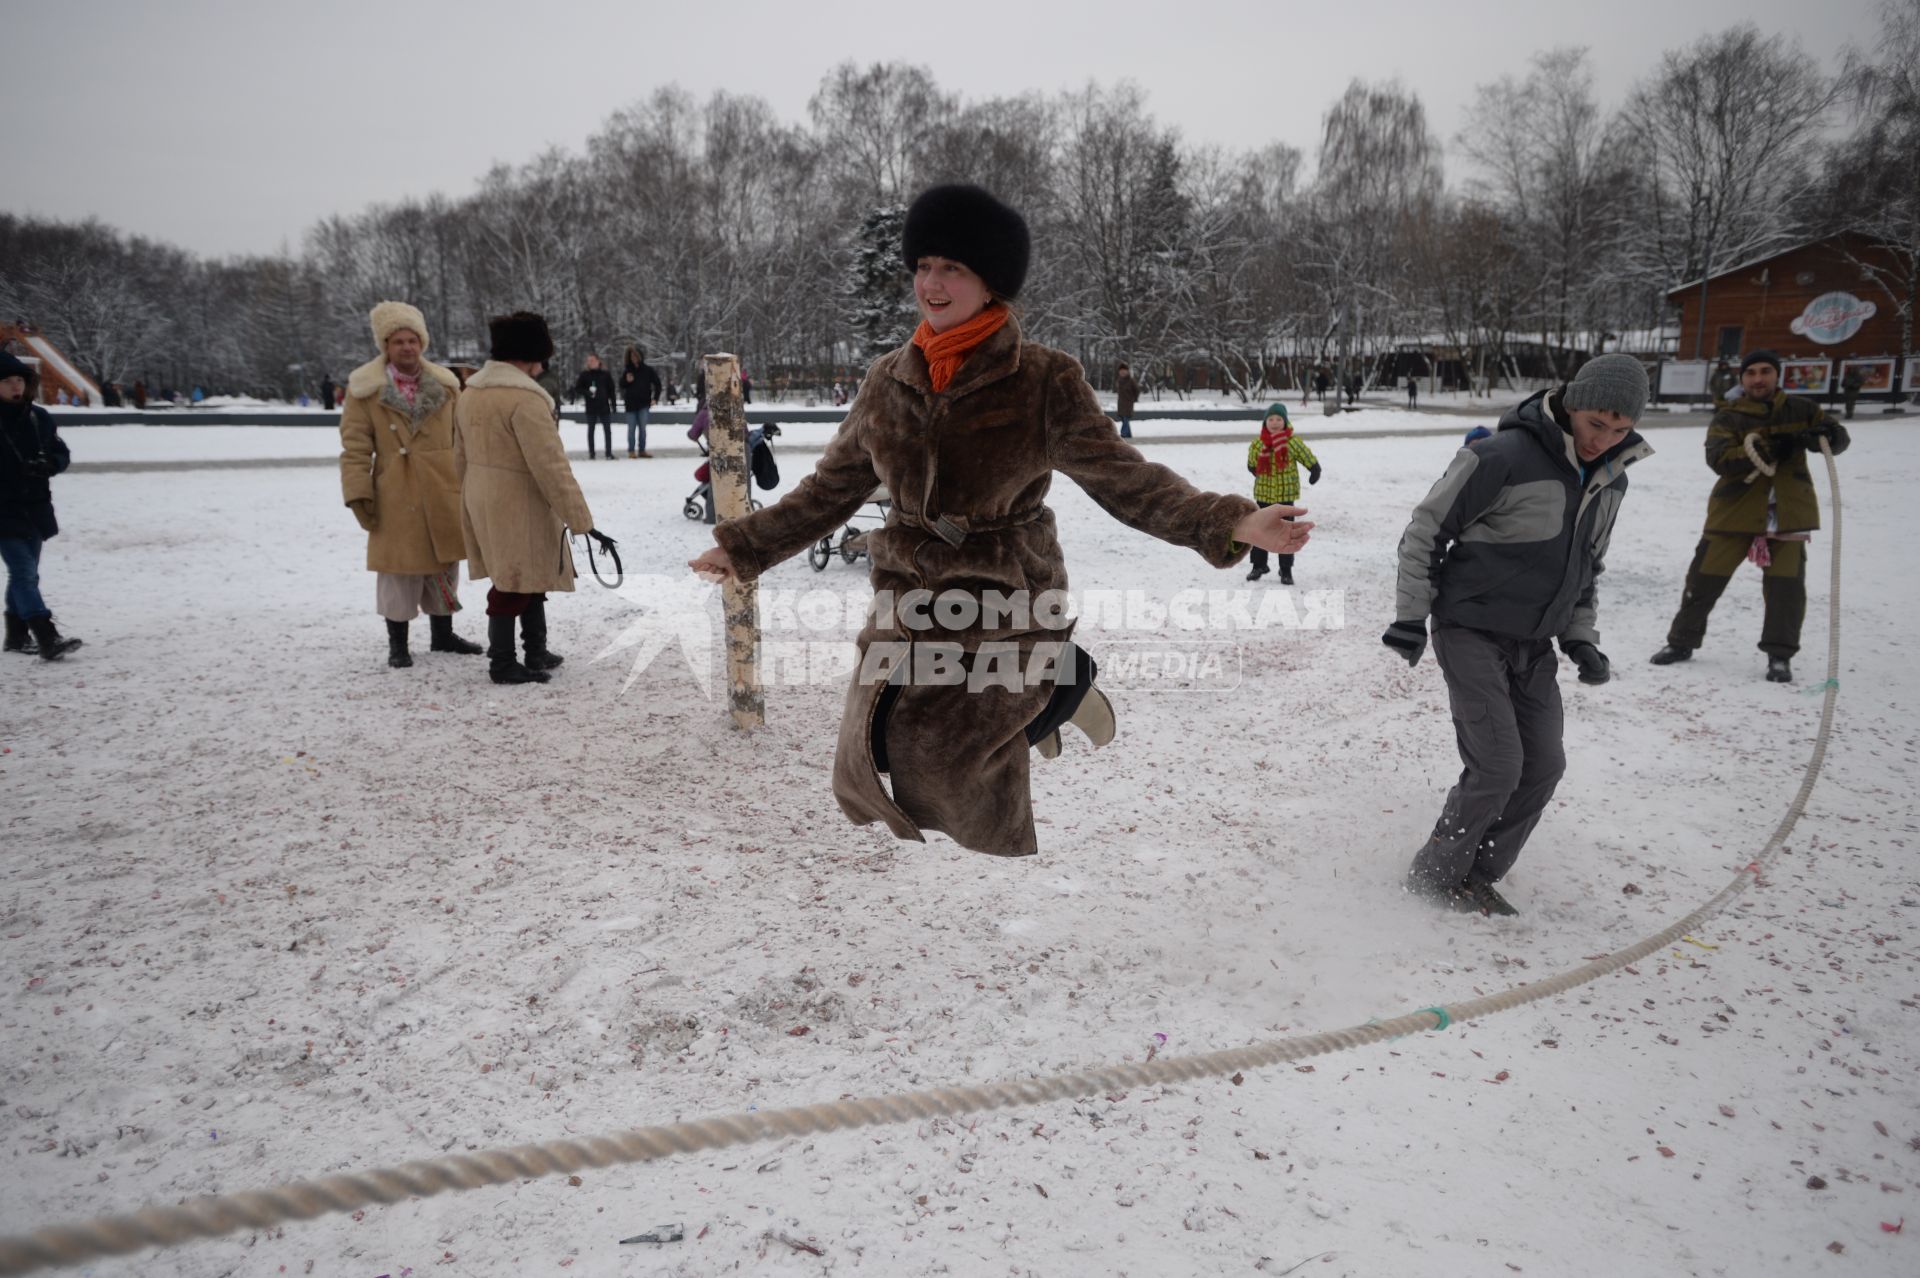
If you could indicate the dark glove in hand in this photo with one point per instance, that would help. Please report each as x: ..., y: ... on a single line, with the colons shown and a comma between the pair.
x: 1408, y: 638
x: 40, y: 466
x: 1313, y: 473
x: 1593, y: 663
x: 1810, y: 438
x: 605, y: 542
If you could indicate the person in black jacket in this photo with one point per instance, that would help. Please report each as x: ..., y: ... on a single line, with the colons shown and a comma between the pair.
x: 640, y: 388
x: 31, y: 454
x: 594, y: 386
x: 1505, y: 556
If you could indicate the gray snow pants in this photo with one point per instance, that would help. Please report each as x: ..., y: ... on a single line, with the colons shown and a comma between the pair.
x: 1508, y: 722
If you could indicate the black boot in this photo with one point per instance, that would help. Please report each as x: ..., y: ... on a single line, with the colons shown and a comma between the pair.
x: 1779, y: 670
x: 18, y: 639
x: 502, y: 666
x: 1670, y: 654
x: 52, y: 646
x: 1490, y: 902
x: 533, y: 632
x: 444, y: 640
x: 1286, y: 570
x: 397, y: 654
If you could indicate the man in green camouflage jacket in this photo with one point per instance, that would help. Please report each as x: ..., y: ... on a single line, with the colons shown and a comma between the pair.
x: 1765, y: 513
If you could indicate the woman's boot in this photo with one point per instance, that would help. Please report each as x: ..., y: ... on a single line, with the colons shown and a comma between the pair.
x: 397, y: 654
x: 533, y: 632
x: 18, y: 640
x: 52, y: 646
x: 502, y: 665
x: 440, y: 628
x: 1076, y: 701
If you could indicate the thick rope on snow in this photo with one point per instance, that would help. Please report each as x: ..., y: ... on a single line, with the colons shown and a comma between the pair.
x: 261, y: 1209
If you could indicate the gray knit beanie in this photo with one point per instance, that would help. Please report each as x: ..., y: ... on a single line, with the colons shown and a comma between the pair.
x: 1609, y: 384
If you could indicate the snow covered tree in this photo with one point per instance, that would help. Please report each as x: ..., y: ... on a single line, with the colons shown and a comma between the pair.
x: 878, y: 291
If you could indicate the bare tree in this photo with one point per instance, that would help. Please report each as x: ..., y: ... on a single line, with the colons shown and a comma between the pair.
x: 1721, y: 126
x: 1555, y: 165
x: 874, y: 123
x: 1874, y: 178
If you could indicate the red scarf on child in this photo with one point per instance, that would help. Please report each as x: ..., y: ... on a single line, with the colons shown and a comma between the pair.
x: 947, y: 351
x: 1273, y: 455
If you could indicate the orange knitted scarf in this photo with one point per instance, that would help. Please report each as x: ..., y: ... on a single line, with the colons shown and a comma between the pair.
x: 947, y: 351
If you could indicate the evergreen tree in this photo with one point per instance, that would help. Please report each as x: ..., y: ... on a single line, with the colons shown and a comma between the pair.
x: 879, y: 292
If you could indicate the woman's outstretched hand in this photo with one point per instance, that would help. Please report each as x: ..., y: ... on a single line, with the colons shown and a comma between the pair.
x: 713, y: 565
x: 1269, y: 528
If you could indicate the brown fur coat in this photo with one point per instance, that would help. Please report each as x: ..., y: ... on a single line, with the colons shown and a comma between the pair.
x: 982, y: 455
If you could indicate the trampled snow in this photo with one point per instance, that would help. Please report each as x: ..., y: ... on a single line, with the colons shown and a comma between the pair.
x: 271, y: 910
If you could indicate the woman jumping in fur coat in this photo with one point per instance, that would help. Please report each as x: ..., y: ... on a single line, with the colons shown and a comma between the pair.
x: 965, y: 662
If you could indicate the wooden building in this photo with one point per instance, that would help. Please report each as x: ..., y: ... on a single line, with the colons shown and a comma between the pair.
x: 1813, y: 305
x: 58, y: 374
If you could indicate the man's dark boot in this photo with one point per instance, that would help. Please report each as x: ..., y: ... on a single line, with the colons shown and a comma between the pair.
x: 502, y: 665
x: 1286, y: 570
x: 1449, y: 896
x: 444, y: 640
x: 52, y: 646
x: 1670, y: 654
x: 397, y: 654
x: 1779, y: 670
x: 1490, y: 902
x: 18, y: 640
x: 533, y: 632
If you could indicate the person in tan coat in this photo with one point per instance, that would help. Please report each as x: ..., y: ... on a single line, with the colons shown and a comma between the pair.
x: 518, y: 495
x: 397, y: 477
x: 966, y: 425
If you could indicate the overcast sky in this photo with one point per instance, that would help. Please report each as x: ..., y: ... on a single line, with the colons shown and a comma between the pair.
x: 231, y: 126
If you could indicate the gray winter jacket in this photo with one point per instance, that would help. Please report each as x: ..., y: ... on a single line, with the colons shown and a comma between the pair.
x: 1514, y: 536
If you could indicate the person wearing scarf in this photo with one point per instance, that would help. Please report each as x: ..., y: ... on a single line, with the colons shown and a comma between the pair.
x: 1274, y: 461
x: 965, y: 666
x: 397, y: 480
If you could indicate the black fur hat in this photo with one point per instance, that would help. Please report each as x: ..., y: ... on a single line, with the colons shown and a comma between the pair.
x: 521, y: 336
x: 967, y: 224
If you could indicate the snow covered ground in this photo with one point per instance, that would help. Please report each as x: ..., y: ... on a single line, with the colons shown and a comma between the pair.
x: 270, y: 910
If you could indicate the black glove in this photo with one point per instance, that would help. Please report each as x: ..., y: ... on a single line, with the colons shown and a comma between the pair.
x: 1408, y: 638
x: 1810, y: 438
x: 1313, y: 473
x: 1593, y: 663
x: 605, y: 542
x: 40, y: 466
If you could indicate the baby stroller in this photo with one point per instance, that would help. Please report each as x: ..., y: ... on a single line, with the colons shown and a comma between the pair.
x: 698, y: 505
x: 850, y: 543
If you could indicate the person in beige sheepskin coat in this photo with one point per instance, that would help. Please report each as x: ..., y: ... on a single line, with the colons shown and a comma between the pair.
x: 397, y: 477
x: 518, y: 495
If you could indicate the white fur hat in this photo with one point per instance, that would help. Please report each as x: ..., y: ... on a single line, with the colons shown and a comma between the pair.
x: 390, y: 317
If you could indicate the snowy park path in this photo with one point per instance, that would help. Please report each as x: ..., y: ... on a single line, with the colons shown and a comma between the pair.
x: 272, y: 910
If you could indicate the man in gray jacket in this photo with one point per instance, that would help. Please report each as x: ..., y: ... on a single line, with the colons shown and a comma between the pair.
x: 1503, y: 555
